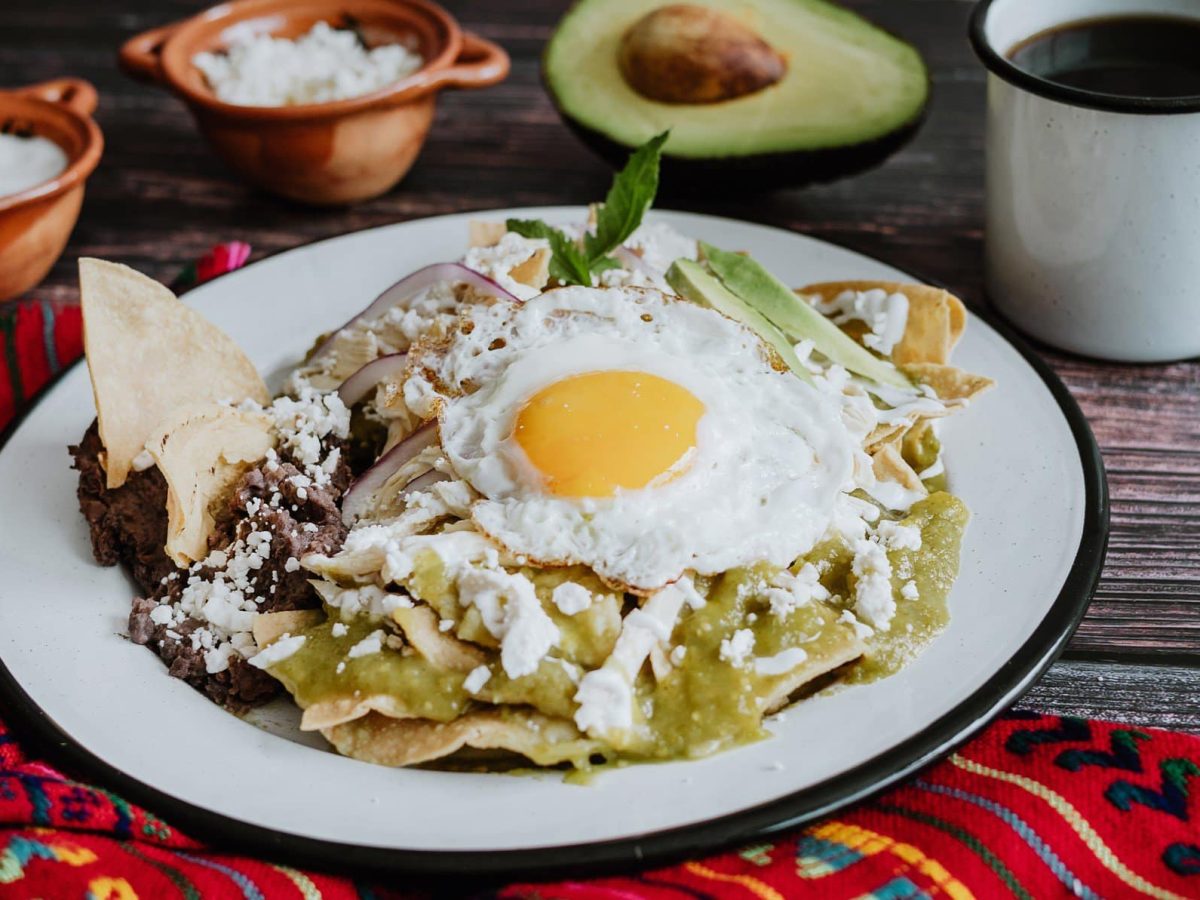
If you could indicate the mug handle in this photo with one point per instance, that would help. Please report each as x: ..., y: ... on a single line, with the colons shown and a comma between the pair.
x: 74, y: 93
x: 140, y: 57
x: 480, y: 63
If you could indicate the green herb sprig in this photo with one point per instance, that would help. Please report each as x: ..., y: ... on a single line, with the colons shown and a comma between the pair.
x: 632, y: 193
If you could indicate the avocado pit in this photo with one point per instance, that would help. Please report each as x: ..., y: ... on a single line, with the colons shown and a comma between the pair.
x: 690, y: 54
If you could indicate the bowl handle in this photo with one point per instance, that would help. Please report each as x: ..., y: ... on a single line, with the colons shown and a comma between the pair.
x: 140, y: 57
x: 480, y: 63
x: 74, y: 93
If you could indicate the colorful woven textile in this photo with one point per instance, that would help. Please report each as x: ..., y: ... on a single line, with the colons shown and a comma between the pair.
x: 1036, y: 807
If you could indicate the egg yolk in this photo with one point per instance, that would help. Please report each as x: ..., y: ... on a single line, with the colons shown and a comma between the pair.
x: 589, y: 435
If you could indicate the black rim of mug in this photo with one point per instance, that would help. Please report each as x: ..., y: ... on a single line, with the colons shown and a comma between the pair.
x: 998, y: 64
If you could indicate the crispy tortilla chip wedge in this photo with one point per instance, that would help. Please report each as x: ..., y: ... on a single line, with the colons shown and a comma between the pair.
x: 839, y: 646
x: 443, y: 650
x: 331, y: 713
x: 202, y: 450
x: 882, y: 435
x: 485, y: 232
x: 949, y: 383
x: 936, y: 318
x: 148, y: 355
x: 889, y: 465
x: 390, y: 742
x: 270, y: 627
x: 535, y: 271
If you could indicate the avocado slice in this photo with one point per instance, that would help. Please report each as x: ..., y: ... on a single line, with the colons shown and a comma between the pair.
x: 691, y: 282
x: 795, y: 317
x: 756, y: 93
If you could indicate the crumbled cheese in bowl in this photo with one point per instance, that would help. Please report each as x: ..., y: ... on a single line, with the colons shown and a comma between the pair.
x: 322, y: 66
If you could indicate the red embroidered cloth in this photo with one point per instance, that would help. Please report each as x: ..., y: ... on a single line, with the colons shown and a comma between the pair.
x: 1036, y: 807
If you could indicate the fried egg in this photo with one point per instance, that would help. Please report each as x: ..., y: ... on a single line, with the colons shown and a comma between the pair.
x: 634, y: 433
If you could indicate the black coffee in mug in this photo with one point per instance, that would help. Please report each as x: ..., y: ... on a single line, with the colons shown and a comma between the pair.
x: 1127, y: 56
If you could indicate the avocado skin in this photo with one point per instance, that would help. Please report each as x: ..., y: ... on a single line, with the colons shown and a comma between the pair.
x: 758, y: 172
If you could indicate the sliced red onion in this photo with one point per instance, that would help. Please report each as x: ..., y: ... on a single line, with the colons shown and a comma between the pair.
x: 433, y: 476
x: 363, y: 381
x: 359, y: 495
x: 408, y: 287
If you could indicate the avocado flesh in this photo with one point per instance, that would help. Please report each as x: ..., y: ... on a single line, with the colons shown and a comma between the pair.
x: 692, y: 283
x: 847, y: 83
x: 795, y: 317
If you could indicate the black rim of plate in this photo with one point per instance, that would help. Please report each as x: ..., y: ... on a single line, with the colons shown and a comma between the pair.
x: 999, y: 64
x: 934, y: 742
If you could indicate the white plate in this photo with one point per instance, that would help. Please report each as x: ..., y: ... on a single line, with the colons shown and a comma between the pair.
x: 1022, y: 458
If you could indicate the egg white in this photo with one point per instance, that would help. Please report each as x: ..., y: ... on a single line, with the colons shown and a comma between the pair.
x: 772, y: 453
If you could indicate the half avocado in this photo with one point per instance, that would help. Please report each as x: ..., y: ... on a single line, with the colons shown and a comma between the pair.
x: 756, y: 93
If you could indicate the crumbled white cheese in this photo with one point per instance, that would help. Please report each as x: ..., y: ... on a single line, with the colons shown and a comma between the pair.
x: 605, y: 695
x: 781, y: 663
x: 339, y: 629
x: 909, y: 591
x: 477, y: 678
x: 861, y: 630
x: 143, y: 460
x: 369, y: 600
x: 445, y: 625
x: 277, y: 652
x: 571, y: 598
x: 497, y: 261
x: 302, y: 422
x: 291, y: 565
x: 678, y: 655
x: 372, y: 643
x: 511, y: 612
x: 895, y: 536
x: 885, y: 315
x: 788, y: 592
x: 873, y: 600
x: 324, y: 65
x: 736, y: 648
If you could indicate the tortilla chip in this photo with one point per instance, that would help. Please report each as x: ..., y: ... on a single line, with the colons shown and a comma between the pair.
x: 331, y: 713
x: 535, y: 271
x: 441, y: 649
x: 949, y: 383
x: 889, y: 465
x: 485, y: 233
x: 543, y: 740
x: 202, y: 451
x: 148, y: 355
x: 270, y: 627
x: 837, y: 646
x: 882, y: 435
x: 936, y: 318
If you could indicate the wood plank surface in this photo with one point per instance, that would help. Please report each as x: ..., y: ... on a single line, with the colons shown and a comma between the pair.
x: 159, y: 199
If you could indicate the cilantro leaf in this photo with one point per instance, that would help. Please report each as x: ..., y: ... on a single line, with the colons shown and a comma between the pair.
x: 567, y: 262
x: 631, y: 194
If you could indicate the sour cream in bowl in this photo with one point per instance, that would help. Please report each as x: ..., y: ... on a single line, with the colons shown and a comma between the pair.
x: 48, y: 148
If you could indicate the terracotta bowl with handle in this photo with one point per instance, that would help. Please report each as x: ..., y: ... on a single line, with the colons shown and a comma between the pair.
x: 35, y: 223
x: 322, y: 153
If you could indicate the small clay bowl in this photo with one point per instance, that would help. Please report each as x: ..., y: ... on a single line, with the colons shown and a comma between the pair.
x: 321, y: 153
x: 35, y: 223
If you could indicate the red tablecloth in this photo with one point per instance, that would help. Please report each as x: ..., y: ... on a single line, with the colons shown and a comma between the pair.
x: 1037, y: 806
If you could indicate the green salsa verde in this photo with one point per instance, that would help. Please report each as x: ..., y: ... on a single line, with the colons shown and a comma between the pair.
x: 698, y: 702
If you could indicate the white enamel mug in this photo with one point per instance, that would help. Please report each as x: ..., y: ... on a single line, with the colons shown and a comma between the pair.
x: 1093, y: 200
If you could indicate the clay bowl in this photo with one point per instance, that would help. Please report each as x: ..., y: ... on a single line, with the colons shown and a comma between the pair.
x: 323, y: 153
x: 36, y: 222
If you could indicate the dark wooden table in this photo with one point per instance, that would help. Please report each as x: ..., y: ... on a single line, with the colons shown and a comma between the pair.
x: 159, y: 199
